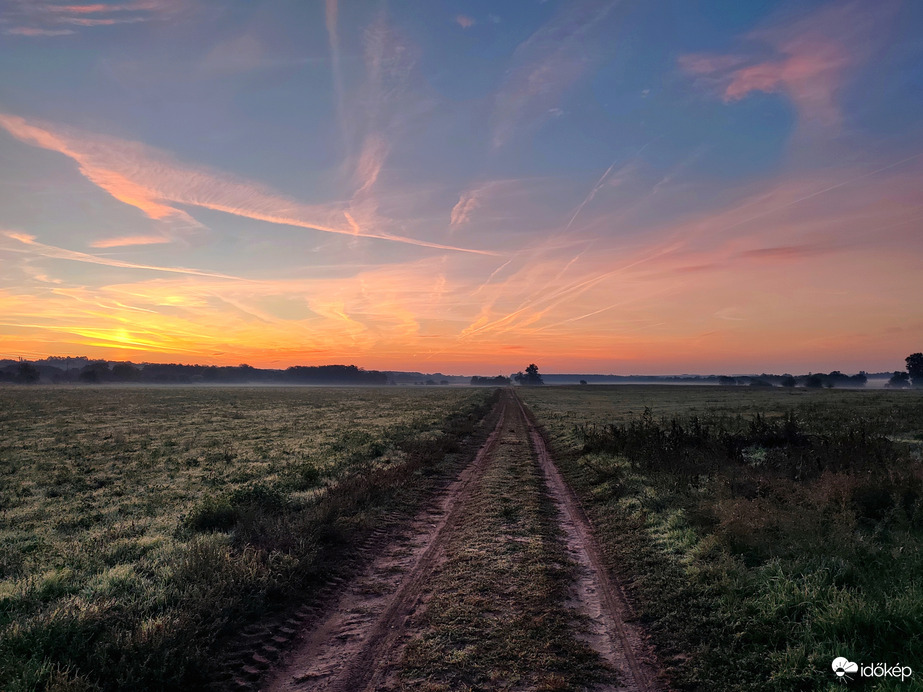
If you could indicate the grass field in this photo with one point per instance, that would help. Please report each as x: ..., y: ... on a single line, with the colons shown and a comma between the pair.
x: 761, y: 532
x: 138, y: 525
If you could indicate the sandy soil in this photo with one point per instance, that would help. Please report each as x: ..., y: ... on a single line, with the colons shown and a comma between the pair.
x: 613, y: 631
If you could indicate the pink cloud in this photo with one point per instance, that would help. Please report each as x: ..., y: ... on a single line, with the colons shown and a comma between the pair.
x: 82, y: 21
x: 464, y: 21
x: 154, y: 182
x: 467, y: 202
x: 130, y: 240
x: 785, y: 253
x: 31, y: 31
x: 812, y: 62
x: 39, y: 17
x: 137, y: 6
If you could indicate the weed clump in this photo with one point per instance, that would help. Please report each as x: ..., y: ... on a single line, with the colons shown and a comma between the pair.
x: 757, y: 535
x: 224, y: 512
x: 781, y: 445
x: 212, y: 514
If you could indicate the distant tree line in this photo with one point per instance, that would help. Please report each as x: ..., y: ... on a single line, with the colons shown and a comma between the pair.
x: 63, y: 370
x: 335, y: 374
x: 815, y: 380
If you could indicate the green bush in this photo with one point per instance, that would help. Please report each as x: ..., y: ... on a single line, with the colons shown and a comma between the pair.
x: 224, y: 512
x: 212, y: 514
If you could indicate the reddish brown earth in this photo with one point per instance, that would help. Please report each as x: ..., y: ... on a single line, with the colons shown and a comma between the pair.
x: 613, y: 630
x: 355, y: 641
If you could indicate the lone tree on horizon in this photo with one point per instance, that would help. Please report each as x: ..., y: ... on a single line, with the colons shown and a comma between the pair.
x: 915, y: 368
x: 530, y: 378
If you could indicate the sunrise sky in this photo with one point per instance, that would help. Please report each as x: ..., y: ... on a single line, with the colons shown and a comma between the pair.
x: 464, y: 186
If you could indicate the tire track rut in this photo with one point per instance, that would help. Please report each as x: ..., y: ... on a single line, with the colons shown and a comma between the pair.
x: 347, y: 651
x: 357, y: 645
x: 613, y: 632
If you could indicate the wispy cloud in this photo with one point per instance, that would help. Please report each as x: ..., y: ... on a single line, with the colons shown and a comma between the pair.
x: 126, y: 241
x: 390, y: 60
x: 239, y: 54
x: 41, y: 17
x: 33, y: 31
x: 630, y: 304
x: 331, y: 16
x: 154, y: 182
x: 389, y: 101
x: 544, y: 67
x: 787, y: 252
x: 504, y: 197
x: 813, y: 57
x: 464, y: 21
x: 468, y: 201
x: 52, y: 252
x: 371, y: 160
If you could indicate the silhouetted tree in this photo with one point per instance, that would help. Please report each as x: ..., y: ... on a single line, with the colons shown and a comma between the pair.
x: 125, y: 372
x: 530, y: 378
x: 915, y: 368
x: 787, y: 381
x: 27, y: 373
x: 899, y: 380
x: 95, y: 372
x: 814, y: 381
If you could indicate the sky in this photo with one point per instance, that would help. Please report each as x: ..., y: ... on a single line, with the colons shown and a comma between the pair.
x: 464, y: 186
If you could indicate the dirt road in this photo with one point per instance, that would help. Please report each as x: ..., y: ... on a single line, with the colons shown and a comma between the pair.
x: 480, y: 551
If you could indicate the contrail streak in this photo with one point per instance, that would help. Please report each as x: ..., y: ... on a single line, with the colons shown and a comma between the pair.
x: 566, y: 292
x: 821, y: 192
x: 74, y: 256
x: 599, y: 184
x: 491, y: 277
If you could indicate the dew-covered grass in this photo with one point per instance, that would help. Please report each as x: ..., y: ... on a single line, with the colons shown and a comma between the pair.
x: 762, y: 533
x: 138, y: 525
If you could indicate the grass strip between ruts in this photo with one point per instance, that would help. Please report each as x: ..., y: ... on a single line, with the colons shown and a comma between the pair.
x: 496, y: 617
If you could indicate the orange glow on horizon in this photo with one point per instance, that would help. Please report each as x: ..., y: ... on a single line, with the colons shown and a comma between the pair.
x: 745, y: 199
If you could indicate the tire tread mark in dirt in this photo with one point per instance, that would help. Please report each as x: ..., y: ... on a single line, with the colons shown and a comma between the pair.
x: 363, y: 665
x: 630, y: 649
